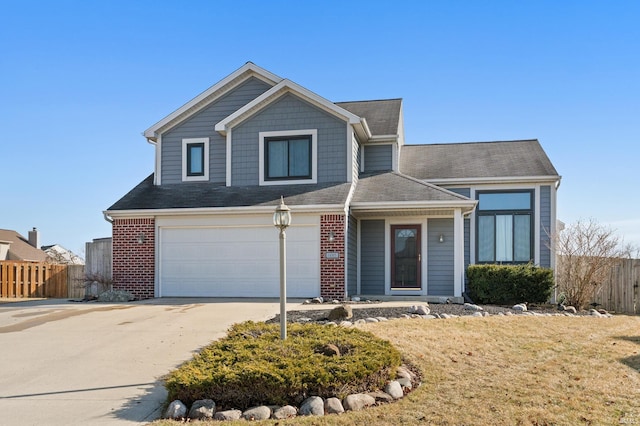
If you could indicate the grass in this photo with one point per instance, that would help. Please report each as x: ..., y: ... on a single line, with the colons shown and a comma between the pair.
x: 509, y: 371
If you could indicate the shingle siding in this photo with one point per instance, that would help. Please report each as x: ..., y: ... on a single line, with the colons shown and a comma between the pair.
x: 202, y: 125
x: 290, y: 113
x: 372, y: 257
x: 440, y: 270
x: 545, y: 225
x: 378, y: 158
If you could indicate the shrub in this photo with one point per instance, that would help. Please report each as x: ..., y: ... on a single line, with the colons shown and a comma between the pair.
x: 252, y: 366
x: 506, y: 284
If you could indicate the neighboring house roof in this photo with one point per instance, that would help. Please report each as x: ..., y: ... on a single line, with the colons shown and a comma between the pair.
x: 59, y: 254
x: 396, y: 190
x: 189, y: 195
x: 383, y: 116
x: 20, y: 249
x: 476, y: 160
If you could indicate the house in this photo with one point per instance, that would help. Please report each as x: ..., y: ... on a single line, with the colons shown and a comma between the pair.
x: 59, y: 254
x: 14, y: 246
x: 371, y: 215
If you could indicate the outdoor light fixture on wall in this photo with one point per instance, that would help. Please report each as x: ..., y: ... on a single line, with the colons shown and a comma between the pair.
x: 332, y: 236
x: 441, y: 238
x: 142, y: 238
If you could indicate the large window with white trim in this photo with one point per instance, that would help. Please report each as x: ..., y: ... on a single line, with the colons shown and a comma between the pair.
x: 505, y: 226
x: 288, y: 157
x: 195, y: 159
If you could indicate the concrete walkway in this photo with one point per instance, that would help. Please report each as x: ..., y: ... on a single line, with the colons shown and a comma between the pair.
x: 69, y: 363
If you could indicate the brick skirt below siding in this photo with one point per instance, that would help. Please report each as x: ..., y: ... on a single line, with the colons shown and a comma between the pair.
x: 134, y: 256
x: 332, y: 272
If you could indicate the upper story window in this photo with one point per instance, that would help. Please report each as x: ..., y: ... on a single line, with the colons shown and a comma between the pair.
x: 505, y: 226
x: 288, y: 157
x: 195, y: 159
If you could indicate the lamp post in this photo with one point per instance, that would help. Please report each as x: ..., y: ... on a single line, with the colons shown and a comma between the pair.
x: 281, y: 220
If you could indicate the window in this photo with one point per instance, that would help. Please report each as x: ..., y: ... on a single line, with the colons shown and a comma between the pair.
x: 288, y: 157
x: 505, y: 227
x: 195, y: 159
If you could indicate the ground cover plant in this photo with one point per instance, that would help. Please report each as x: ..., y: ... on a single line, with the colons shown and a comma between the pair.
x: 252, y: 366
x: 509, y: 371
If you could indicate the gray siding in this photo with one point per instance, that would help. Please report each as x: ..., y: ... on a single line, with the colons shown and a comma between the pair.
x: 378, y: 158
x: 372, y: 257
x: 466, y: 192
x: 440, y: 271
x: 545, y: 226
x: 202, y: 125
x: 352, y: 260
x: 290, y: 113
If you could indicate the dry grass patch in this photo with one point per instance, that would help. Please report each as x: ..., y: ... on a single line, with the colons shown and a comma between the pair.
x: 511, y: 371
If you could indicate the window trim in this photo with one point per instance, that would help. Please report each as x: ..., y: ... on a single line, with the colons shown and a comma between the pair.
x: 185, y: 156
x: 263, y: 138
x: 513, y: 212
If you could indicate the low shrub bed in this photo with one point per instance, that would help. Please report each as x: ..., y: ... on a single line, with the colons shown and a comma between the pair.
x: 252, y: 366
x: 507, y: 284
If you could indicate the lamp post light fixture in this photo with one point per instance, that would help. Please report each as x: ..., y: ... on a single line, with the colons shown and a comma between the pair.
x: 281, y: 220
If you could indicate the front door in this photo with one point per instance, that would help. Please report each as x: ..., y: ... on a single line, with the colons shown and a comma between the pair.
x: 405, y: 257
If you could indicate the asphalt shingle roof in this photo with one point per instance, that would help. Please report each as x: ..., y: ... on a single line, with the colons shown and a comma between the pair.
x: 476, y: 160
x: 146, y: 195
x: 383, y: 116
x: 392, y: 186
x: 20, y: 249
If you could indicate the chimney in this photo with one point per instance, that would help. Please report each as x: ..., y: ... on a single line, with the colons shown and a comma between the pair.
x: 34, y: 238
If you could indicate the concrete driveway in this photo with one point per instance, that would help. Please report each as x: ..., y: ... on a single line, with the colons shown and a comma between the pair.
x: 65, y: 363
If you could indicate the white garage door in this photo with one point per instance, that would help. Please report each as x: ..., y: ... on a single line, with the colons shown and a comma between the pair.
x: 237, y: 262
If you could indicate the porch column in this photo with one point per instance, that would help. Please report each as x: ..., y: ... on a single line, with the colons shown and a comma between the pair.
x: 458, y: 252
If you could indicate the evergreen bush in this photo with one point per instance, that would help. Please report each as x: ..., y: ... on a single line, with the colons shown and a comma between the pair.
x: 507, y: 284
x: 252, y: 366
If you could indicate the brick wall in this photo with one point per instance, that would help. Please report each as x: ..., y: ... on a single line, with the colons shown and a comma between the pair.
x: 332, y: 273
x: 134, y: 262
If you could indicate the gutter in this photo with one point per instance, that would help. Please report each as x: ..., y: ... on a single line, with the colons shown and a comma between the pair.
x: 105, y: 215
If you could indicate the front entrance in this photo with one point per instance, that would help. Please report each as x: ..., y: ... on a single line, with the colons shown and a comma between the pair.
x: 405, y: 257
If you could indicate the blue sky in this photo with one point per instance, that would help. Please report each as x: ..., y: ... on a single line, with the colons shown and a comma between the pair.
x: 80, y: 81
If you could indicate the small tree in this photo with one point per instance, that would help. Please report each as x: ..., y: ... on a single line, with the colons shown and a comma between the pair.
x: 587, y: 252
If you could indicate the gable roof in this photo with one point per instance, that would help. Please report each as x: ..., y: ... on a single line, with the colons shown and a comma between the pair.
x: 203, y: 195
x: 394, y: 190
x: 203, y: 99
x: 515, y: 160
x: 287, y: 86
x: 383, y: 116
x: 20, y: 249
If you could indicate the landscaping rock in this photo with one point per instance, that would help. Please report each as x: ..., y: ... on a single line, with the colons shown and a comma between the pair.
x: 570, y: 309
x: 420, y: 310
x: 312, y: 406
x: 381, y: 396
x: 346, y: 324
x: 116, y: 296
x: 382, y: 319
x: 317, y: 300
x: 176, y: 411
x: 358, y: 401
x: 286, y: 412
x: 405, y: 382
x: 472, y: 307
x: 330, y: 350
x: 371, y: 320
x: 394, y: 389
x: 477, y: 314
x: 333, y: 406
x: 428, y: 316
x: 202, y: 409
x: 403, y: 371
x: 228, y: 415
x: 595, y: 313
x: 261, y: 412
x: 360, y: 322
x: 340, y: 313
x: 521, y: 307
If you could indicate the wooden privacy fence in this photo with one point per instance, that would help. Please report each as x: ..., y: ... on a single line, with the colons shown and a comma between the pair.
x: 621, y: 293
x: 38, y: 279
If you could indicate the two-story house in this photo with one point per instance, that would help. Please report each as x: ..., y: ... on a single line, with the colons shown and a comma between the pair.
x: 371, y: 216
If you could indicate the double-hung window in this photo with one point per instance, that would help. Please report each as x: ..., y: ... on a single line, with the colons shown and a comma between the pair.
x: 195, y: 159
x: 505, y: 227
x: 288, y: 157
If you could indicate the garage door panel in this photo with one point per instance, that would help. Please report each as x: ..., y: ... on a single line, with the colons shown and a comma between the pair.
x: 237, y: 262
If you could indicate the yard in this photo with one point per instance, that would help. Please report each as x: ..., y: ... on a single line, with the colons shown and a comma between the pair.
x: 511, y: 371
